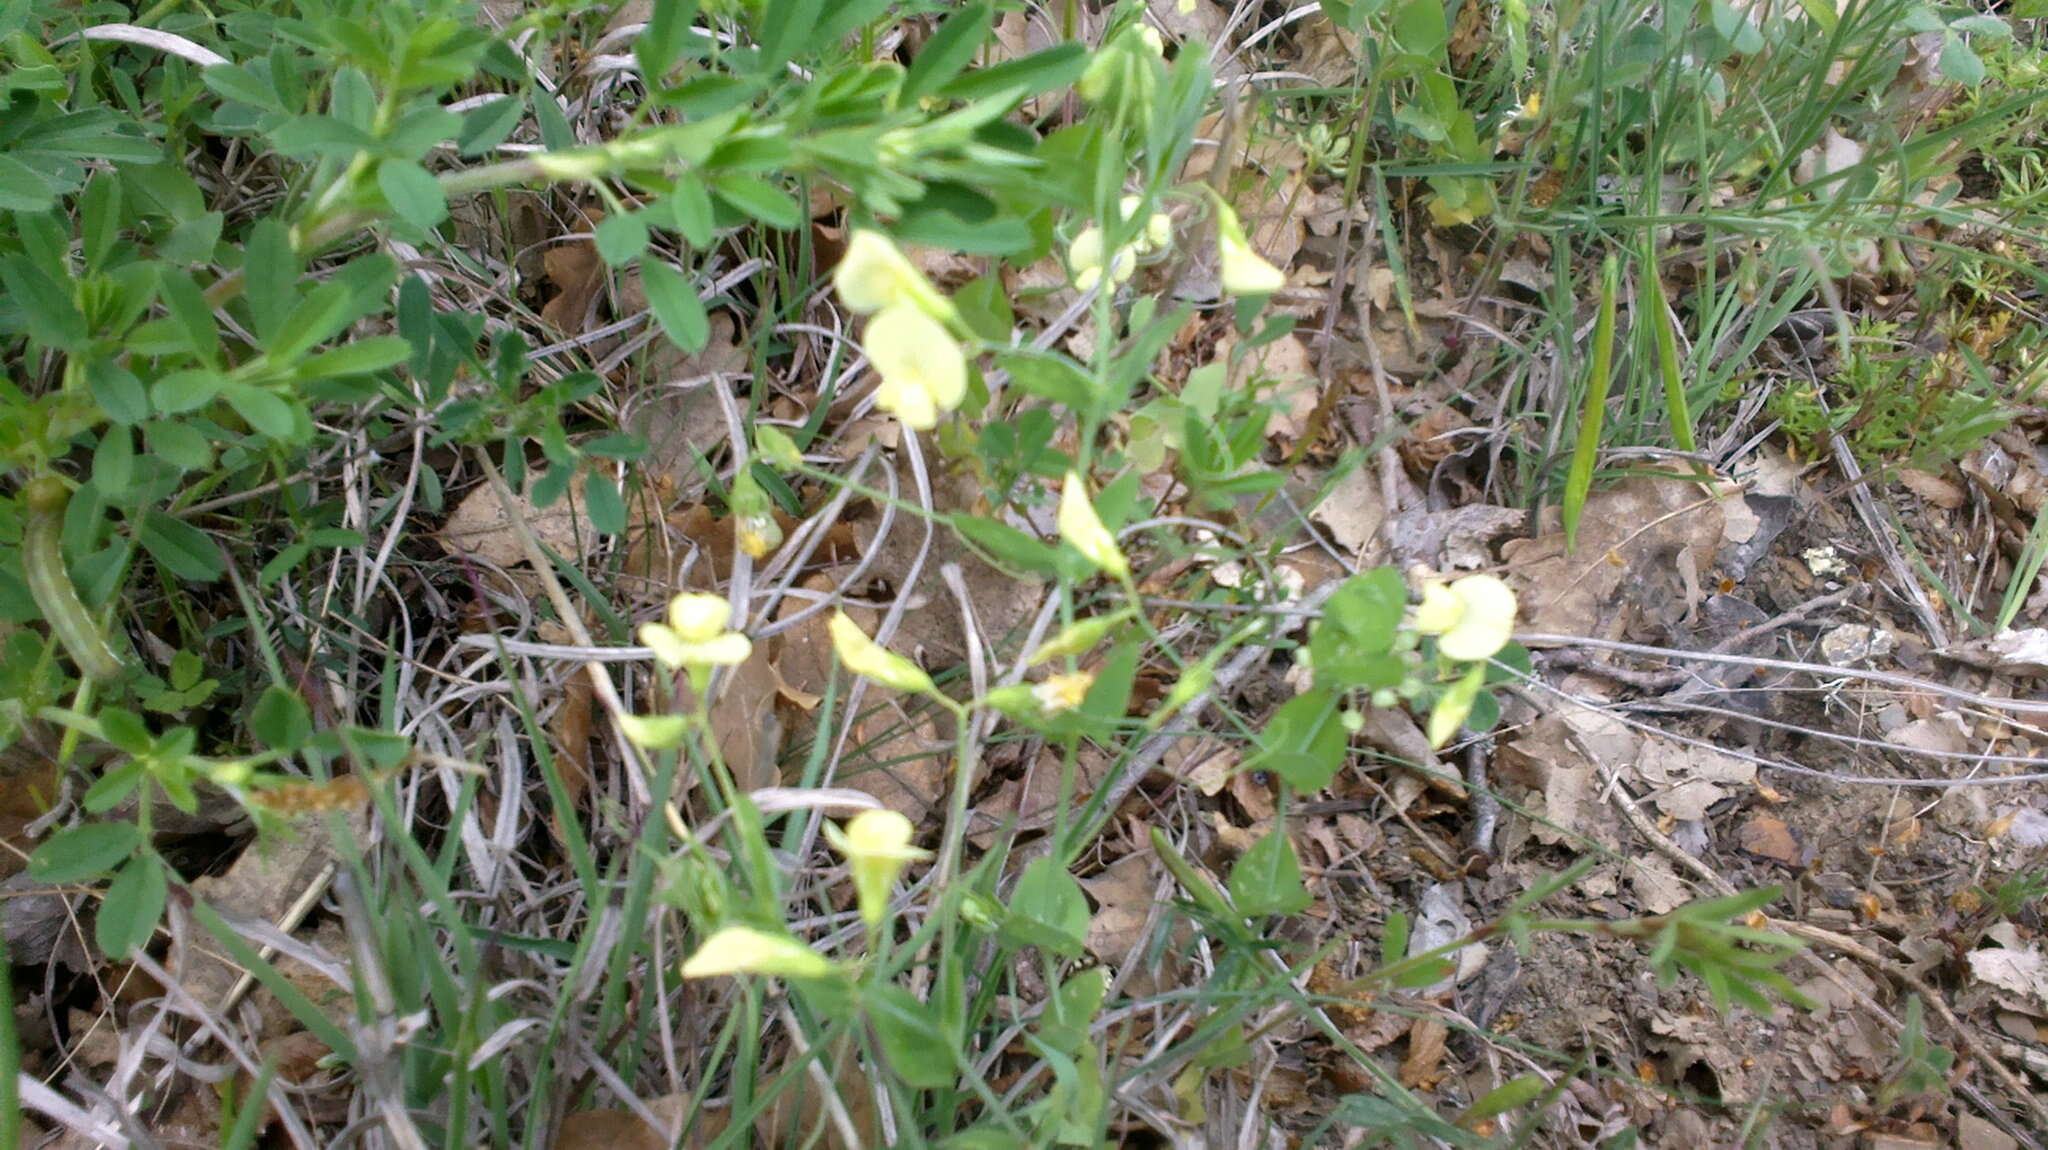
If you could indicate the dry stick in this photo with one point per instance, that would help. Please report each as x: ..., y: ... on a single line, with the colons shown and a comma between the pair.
x: 1663, y: 845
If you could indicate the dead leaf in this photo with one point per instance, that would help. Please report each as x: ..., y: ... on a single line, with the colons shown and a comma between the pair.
x: 1769, y: 838
x: 1423, y: 1068
x: 1687, y: 779
x: 1352, y: 511
x: 1933, y: 488
x: 271, y: 876
x: 625, y: 1130
x: 1124, y: 895
x: 2022, y: 972
x: 569, y: 733
x: 1631, y: 537
x: 577, y: 272
x: 479, y: 529
x: 1658, y: 888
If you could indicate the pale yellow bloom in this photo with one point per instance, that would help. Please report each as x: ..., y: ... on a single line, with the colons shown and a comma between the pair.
x: 1061, y: 693
x: 745, y: 950
x: 654, y: 732
x: 877, y: 848
x: 870, y: 660
x: 1242, y: 270
x: 1472, y: 618
x: 1454, y: 706
x: 923, y: 370
x: 874, y: 275
x: 1083, y: 530
x: 758, y: 535
x: 1074, y: 639
x: 695, y: 634
x: 1158, y: 226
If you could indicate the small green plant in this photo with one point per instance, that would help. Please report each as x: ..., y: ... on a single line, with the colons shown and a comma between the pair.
x: 1893, y: 406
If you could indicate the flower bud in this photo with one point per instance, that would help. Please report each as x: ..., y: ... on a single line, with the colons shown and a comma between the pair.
x: 745, y: 950
x: 1082, y: 529
x: 870, y: 660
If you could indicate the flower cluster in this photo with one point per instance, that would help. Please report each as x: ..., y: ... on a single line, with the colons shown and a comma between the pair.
x: 1085, y: 255
x: 923, y: 368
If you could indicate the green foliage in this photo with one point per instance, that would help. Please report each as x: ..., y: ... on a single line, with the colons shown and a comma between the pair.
x: 1894, y: 405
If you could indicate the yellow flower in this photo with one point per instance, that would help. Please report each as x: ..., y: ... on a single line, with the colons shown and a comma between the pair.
x: 654, y: 732
x: 1158, y: 226
x: 1083, y: 529
x: 1084, y: 256
x: 875, y: 275
x: 870, y: 660
x: 1472, y: 618
x: 1242, y: 270
x: 759, y: 535
x: 1454, y: 706
x: 1061, y: 693
x: 923, y: 370
x: 877, y: 848
x: 695, y: 634
x: 1080, y: 636
x: 744, y: 950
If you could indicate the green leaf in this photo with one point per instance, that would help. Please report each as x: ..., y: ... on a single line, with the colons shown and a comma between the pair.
x: 183, y: 391
x: 1503, y: 1098
x: 602, y: 503
x: 918, y: 1051
x: 1267, y: 878
x: 413, y: 193
x: 119, y: 393
x: 947, y: 53
x: 760, y: 199
x: 46, y: 304
x: 676, y: 306
x: 690, y: 210
x: 1593, y: 415
x: 134, y: 903
x: 281, y: 719
x: 1056, y: 67
x: 240, y: 83
x: 1960, y: 62
x: 487, y: 126
x: 194, y: 316
x: 21, y: 188
x: 184, y: 550
x: 1008, y: 546
x: 1049, y: 375
x: 620, y: 238
x: 178, y: 445
x: 83, y: 852
x: 1048, y: 910
x: 361, y: 357
x: 113, y: 462
x: 267, y: 412
x: 1303, y: 742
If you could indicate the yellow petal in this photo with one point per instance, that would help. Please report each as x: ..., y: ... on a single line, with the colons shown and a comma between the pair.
x: 1440, y: 610
x: 669, y: 648
x: 1086, y: 250
x: 695, y: 616
x: 881, y: 834
x: 913, y: 353
x: 727, y: 650
x: 875, y: 274
x: 870, y: 660
x: 1245, y: 272
x: 1083, y: 529
x: 1485, y: 624
x: 1454, y: 706
x: 744, y: 950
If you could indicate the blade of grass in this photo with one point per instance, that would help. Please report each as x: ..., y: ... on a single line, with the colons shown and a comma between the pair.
x: 1676, y: 409
x: 1579, y: 480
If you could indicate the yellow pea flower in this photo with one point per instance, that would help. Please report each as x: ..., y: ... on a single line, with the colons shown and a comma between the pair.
x: 877, y: 848
x: 694, y: 635
x: 870, y: 660
x: 923, y: 370
x: 1083, y: 529
x: 745, y: 950
x: 1454, y: 706
x: 875, y: 275
x: 1472, y: 618
x: 1242, y: 270
x: 1062, y: 693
